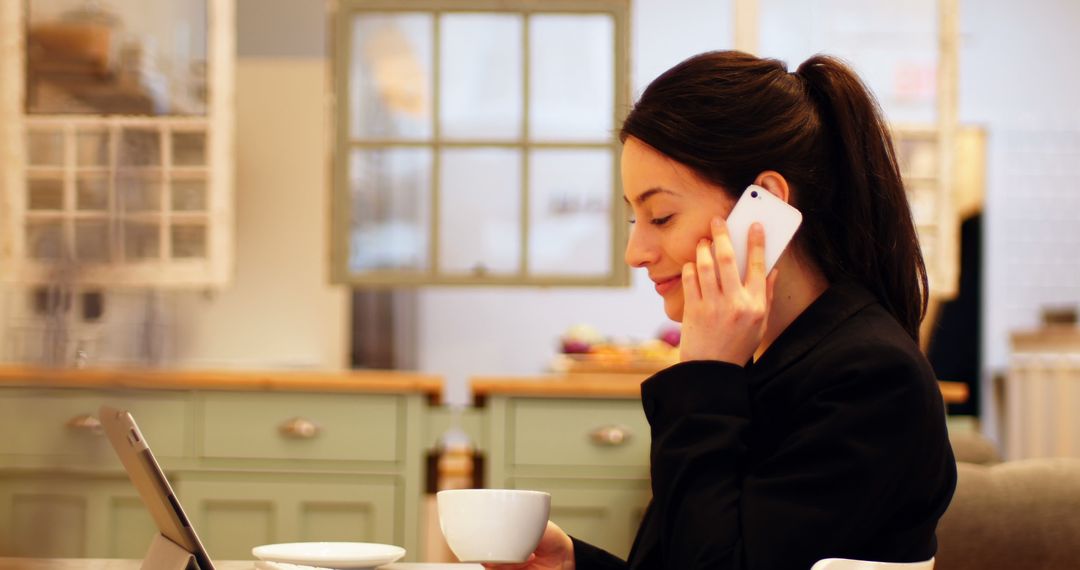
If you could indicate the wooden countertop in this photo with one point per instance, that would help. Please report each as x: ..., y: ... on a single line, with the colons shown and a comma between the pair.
x: 255, y: 380
x: 598, y: 385
x: 585, y: 385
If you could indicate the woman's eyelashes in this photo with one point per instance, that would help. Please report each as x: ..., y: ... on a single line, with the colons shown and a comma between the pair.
x: 655, y: 221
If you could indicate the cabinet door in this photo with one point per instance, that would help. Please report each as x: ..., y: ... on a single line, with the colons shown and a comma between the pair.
x: 605, y: 513
x: 233, y: 512
x: 60, y: 516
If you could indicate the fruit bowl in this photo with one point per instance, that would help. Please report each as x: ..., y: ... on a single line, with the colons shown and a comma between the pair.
x: 647, y: 357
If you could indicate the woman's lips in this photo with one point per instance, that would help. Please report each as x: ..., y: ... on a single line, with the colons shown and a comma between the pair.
x: 668, y: 285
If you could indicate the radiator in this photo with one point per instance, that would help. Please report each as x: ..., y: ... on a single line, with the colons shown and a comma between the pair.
x: 1042, y: 405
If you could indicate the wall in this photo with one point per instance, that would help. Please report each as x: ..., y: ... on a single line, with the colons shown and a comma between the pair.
x: 279, y: 310
x: 1020, y: 79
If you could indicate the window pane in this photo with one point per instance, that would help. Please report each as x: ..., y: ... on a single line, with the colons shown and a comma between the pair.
x: 138, y: 192
x: 481, y: 76
x: 45, y: 239
x: 189, y: 240
x: 92, y: 192
x: 892, y: 45
x: 45, y: 194
x: 480, y: 203
x: 121, y: 57
x: 390, y: 191
x: 142, y: 240
x: 92, y: 148
x: 92, y: 241
x: 390, y: 76
x: 571, y: 77
x: 140, y: 147
x: 189, y: 149
x: 570, y: 212
x: 189, y: 195
x: 45, y: 148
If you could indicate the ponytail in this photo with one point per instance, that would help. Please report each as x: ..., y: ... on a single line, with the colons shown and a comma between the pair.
x: 730, y: 116
x: 880, y: 246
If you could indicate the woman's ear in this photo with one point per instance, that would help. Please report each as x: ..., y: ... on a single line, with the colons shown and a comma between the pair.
x: 774, y: 182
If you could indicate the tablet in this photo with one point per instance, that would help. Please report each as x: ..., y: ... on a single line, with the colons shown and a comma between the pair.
x: 154, y: 489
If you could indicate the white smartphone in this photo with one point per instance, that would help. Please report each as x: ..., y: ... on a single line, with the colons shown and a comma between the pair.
x: 780, y: 220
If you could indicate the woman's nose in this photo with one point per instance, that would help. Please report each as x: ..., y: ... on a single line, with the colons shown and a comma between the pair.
x: 639, y: 252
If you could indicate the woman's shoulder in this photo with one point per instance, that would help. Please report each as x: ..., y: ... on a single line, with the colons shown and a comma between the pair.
x: 871, y: 343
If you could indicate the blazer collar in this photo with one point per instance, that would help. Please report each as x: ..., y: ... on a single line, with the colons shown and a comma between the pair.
x: 837, y: 304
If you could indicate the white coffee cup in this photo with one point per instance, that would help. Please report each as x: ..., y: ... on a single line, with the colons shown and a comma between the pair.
x: 493, y: 525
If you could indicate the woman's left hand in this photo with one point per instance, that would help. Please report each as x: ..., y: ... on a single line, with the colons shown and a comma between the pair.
x: 724, y: 318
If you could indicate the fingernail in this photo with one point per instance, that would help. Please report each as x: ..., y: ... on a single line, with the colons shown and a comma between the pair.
x: 716, y: 222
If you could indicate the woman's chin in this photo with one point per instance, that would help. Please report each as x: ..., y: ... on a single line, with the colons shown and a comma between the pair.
x: 674, y: 308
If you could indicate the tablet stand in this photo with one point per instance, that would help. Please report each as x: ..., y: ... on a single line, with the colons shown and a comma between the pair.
x: 165, y: 554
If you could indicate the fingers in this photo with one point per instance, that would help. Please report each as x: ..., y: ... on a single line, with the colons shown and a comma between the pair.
x: 522, y: 566
x: 706, y: 269
x: 691, y: 289
x: 726, y: 267
x: 755, y: 260
x: 770, y: 287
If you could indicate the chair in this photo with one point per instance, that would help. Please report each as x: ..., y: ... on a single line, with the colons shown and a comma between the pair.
x: 847, y: 564
x: 1020, y: 514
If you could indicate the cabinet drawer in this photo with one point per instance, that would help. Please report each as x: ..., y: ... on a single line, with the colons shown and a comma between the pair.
x: 347, y: 427
x: 48, y: 421
x: 559, y: 432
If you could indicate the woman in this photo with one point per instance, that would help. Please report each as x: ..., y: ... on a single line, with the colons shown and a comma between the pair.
x: 803, y: 421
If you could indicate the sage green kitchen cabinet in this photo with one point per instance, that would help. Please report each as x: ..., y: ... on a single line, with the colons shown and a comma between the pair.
x: 250, y: 467
x: 236, y: 511
x: 71, y: 515
x: 591, y: 454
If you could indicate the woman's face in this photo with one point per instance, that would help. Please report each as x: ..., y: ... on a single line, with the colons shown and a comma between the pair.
x: 672, y: 208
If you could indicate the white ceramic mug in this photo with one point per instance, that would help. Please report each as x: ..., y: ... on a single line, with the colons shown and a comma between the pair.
x: 493, y: 525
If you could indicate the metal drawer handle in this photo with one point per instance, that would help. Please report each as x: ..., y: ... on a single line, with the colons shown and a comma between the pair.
x: 610, y: 436
x: 85, y: 423
x: 300, y: 428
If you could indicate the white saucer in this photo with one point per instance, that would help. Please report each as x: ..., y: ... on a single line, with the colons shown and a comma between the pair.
x: 351, y: 555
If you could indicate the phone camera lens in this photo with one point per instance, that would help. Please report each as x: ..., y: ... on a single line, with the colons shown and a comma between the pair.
x: 753, y: 194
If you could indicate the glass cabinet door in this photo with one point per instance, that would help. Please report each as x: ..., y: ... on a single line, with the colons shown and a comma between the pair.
x: 124, y: 112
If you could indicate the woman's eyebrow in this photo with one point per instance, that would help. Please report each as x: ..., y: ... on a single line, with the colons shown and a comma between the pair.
x: 644, y: 196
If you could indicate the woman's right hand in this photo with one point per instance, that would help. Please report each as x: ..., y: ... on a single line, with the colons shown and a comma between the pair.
x: 724, y: 318
x: 555, y: 552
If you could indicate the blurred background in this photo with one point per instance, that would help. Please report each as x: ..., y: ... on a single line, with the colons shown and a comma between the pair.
x: 297, y: 185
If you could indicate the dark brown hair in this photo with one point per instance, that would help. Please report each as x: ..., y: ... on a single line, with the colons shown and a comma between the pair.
x: 730, y: 116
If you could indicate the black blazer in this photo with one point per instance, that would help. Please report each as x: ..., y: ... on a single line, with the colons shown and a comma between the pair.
x: 832, y: 445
